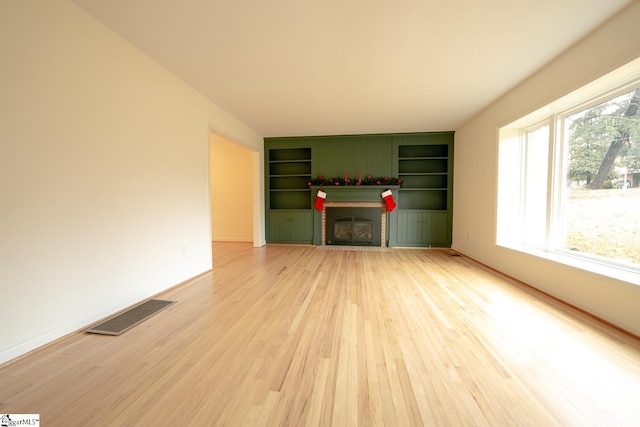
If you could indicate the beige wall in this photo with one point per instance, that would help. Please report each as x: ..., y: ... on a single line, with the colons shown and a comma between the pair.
x: 232, y: 198
x: 103, y: 173
x: 476, y: 152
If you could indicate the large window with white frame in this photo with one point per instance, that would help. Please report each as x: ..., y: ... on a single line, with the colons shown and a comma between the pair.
x: 569, y: 179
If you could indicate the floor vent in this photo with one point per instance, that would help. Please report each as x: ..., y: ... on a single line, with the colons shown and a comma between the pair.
x: 126, y: 320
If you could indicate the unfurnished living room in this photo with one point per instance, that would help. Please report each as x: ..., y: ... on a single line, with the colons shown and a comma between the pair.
x: 320, y: 213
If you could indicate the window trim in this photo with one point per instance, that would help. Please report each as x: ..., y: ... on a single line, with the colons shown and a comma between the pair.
x: 524, y: 177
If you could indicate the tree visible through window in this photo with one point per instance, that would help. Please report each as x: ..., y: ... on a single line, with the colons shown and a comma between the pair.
x: 601, y: 206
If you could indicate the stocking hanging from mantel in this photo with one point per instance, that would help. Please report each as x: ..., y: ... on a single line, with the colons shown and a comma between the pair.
x: 387, y: 196
x: 320, y: 200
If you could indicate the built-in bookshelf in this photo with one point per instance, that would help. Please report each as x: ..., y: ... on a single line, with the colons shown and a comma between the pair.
x: 424, y: 170
x: 289, y: 175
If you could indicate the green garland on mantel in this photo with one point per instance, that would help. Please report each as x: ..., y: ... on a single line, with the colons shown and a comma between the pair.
x: 356, y: 182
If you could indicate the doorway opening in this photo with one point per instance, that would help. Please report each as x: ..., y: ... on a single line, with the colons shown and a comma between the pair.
x: 231, y: 183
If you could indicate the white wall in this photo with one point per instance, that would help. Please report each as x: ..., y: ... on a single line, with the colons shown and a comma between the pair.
x: 232, y: 198
x: 476, y: 151
x: 103, y: 173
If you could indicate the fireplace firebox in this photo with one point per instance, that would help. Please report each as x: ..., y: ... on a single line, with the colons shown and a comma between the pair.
x: 353, y: 226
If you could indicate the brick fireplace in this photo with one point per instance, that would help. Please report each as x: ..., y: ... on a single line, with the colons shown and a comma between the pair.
x: 369, y: 196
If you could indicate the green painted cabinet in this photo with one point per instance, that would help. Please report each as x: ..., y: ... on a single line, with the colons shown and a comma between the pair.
x: 290, y: 226
x: 422, y: 228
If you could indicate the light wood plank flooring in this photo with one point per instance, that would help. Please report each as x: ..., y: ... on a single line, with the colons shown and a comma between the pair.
x: 296, y: 335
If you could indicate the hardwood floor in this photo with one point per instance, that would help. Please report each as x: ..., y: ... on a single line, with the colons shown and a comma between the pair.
x: 296, y: 335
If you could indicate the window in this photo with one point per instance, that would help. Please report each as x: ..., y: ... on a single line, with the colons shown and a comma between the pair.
x: 569, y: 179
x: 602, y: 190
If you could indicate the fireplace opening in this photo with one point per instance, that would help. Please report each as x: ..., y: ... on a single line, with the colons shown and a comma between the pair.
x: 353, y: 226
x: 353, y: 231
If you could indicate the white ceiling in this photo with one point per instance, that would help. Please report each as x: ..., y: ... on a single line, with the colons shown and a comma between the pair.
x: 321, y: 67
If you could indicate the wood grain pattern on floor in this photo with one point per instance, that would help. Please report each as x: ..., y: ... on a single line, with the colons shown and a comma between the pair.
x: 288, y: 335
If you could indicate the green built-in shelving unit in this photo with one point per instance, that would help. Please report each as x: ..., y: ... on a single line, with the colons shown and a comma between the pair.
x: 424, y: 161
x: 289, y: 217
x: 425, y: 166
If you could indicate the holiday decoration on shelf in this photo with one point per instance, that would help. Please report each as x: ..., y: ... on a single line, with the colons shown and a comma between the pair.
x: 359, y: 181
x: 387, y: 196
x: 320, y: 200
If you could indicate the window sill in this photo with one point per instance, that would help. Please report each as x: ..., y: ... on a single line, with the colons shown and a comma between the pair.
x: 626, y: 273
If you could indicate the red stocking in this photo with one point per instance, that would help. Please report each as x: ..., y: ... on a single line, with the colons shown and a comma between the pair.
x: 388, y: 199
x: 320, y: 200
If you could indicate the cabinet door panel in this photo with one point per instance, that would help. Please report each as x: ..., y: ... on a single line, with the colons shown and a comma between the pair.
x: 421, y: 228
x: 290, y: 227
x: 411, y: 230
x: 438, y: 230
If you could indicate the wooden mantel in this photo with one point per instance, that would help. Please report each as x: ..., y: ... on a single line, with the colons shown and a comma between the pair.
x: 353, y: 193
